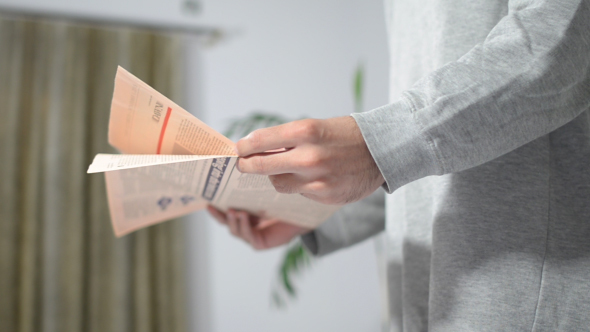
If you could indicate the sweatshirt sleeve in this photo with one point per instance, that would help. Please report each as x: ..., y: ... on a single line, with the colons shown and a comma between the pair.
x: 529, y: 77
x: 352, y: 224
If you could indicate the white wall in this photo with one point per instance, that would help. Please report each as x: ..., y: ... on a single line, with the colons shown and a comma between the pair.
x: 296, y: 58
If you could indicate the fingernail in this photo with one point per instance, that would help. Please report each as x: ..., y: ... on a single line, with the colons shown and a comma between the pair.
x: 236, y: 150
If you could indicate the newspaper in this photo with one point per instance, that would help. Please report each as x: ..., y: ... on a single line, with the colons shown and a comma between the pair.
x: 173, y: 164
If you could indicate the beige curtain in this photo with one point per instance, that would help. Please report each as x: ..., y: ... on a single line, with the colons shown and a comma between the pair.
x: 61, y: 268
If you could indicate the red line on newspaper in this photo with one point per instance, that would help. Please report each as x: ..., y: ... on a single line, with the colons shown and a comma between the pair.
x: 163, y: 129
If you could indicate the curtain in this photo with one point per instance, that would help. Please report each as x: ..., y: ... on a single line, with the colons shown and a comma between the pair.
x: 61, y: 268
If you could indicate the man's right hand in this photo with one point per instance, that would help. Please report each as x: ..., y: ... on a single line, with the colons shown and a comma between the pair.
x: 260, y: 234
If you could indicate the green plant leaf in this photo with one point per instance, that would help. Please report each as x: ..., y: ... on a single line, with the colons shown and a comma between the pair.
x: 295, y: 260
x: 241, y: 127
x: 358, y: 88
x: 287, y: 282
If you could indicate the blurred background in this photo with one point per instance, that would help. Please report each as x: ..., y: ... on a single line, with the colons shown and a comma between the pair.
x: 61, y: 269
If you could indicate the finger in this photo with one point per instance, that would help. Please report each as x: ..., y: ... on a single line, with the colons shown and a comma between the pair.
x: 286, y: 135
x: 279, y: 234
x: 268, y: 164
x: 301, y: 160
x: 267, y: 223
x: 317, y: 190
x: 245, y: 227
x: 218, y: 215
x: 297, y: 184
x: 233, y: 223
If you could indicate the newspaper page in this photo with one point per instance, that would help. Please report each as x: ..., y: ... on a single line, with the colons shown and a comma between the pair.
x: 174, y: 164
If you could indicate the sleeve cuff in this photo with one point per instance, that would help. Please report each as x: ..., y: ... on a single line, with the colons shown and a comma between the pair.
x: 310, y: 242
x: 350, y: 225
x: 327, y: 238
x: 399, y: 146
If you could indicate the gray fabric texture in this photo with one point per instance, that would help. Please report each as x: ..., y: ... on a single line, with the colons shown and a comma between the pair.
x: 348, y: 226
x: 486, y: 151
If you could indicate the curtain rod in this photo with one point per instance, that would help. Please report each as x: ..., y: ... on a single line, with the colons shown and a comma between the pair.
x: 209, y: 33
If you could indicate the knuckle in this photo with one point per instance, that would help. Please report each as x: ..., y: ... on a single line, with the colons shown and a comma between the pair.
x: 255, y: 139
x: 310, y: 129
x: 318, y: 187
x: 259, y: 165
x: 312, y: 159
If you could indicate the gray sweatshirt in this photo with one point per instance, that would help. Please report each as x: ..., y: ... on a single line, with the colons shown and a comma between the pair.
x: 485, y: 151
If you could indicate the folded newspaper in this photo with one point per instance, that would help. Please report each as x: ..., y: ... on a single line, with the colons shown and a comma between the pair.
x: 174, y: 164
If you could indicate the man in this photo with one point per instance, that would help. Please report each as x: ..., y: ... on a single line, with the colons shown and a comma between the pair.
x: 485, y: 151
